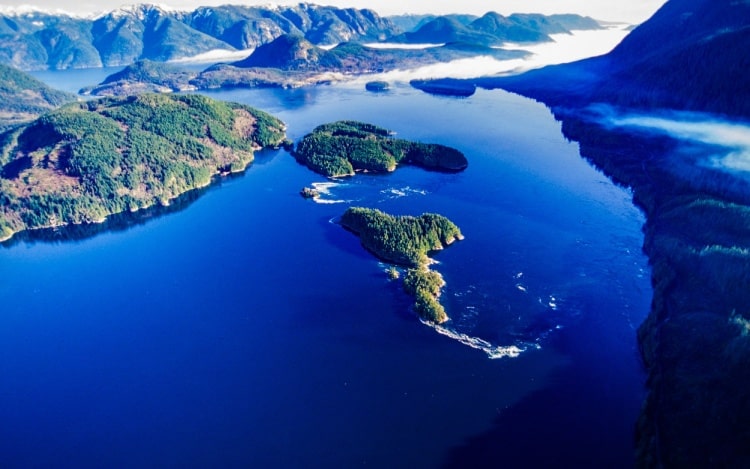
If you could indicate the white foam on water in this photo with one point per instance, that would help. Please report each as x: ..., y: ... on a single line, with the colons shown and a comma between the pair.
x: 492, y: 351
x: 319, y: 200
x: 396, y: 193
x: 324, y: 188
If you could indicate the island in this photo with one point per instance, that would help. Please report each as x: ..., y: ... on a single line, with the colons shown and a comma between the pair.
x: 86, y: 161
x: 289, y: 61
x: 445, y: 87
x: 344, y: 147
x: 406, y: 241
x: 377, y: 86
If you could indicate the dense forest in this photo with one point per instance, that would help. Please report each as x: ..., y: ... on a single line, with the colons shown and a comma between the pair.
x: 88, y: 160
x: 406, y: 240
x: 23, y: 97
x: 341, y: 148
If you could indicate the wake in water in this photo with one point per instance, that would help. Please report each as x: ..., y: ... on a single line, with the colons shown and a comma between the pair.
x: 324, y: 189
x: 396, y: 193
x: 485, y: 316
x: 492, y: 351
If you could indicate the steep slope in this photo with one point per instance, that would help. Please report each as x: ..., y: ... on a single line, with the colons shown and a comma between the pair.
x: 329, y: 25
x: 691, y: 55
x: 412, y: 22
x: 290, y: 52
x: 23, y: 97
x: 147, y: 32
x: 494, y: 29
x: 241, y: 27
x: 36, y: 40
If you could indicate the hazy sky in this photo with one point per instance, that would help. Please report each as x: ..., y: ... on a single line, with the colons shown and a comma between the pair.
x: 632, y: 11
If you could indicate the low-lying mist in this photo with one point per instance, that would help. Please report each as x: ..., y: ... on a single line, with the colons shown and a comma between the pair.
x: 729, y: 140
x: 565, y: 48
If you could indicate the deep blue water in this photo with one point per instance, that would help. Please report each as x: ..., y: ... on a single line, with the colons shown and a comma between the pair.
x: 247, y: 329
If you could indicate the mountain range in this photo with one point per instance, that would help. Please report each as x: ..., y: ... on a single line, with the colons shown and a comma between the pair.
x: 35, y: 40
x: 691, y: 55
x: 494, y: 29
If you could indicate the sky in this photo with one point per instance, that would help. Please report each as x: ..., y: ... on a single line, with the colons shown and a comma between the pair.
x: 630, y: 11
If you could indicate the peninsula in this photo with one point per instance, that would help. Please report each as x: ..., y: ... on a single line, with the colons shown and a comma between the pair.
x: 407, y: 240
x: 344, y: 147
x: 86, y: 161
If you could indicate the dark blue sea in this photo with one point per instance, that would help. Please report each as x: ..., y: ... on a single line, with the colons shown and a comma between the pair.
x: 247, y: 329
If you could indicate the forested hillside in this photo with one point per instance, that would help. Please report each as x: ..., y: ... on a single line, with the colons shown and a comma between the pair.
x: 86, y: 161
x: 23, y: 97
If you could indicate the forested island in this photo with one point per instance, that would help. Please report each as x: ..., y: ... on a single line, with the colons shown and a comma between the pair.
x: 344, y: 147
x: 289, y: 61
x: 407, y: 240
x: 86, y: 161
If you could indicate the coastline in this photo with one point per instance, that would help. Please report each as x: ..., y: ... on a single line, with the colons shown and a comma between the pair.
x: 215, y: 178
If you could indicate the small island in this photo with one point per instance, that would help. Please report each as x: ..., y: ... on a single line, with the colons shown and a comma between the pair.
x: 342, y: 148
x: 377, y: 86
x: 407, y: 240
x: 446, y: 87
x: 86, y: 161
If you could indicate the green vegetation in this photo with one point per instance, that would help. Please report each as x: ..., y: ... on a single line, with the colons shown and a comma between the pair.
x: 23, y: 97
x: 406, y: 240
x: 343, y: 147
x: 309, y: 193
x: 377, y: 86
x: 425, y: 285
x: 86, y: 161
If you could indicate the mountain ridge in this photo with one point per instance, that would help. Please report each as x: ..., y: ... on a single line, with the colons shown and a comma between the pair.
x: 33, y: 39
x: 23, y: 97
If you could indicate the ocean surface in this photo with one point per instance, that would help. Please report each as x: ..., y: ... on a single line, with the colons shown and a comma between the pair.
x: 246, y: 328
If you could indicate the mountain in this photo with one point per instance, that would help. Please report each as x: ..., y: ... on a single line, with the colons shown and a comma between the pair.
x: 33, y: 40
x: 412, y: 22
x: 249, y: 27
x: 329, y: 25
x: 294, y: 53
x: 494, y: 29
x: 23, y: 97
x: 146, y: 31
x: 290, y: 52
x: 689, y: 56
x: 695, y: 343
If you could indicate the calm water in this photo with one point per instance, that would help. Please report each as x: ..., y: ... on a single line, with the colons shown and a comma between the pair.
x: 249, y: 330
